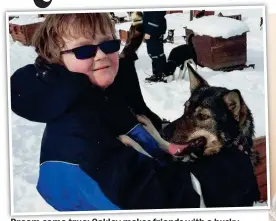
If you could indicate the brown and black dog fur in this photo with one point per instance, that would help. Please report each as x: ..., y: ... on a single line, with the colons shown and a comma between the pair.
x: 218, y: 114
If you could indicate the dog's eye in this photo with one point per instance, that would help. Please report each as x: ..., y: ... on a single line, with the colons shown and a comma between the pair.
x: 203, y: 116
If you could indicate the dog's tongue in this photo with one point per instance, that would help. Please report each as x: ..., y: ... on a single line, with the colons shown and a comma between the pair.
x: 189, y: 147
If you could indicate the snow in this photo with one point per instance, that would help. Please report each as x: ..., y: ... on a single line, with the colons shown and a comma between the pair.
x: 121, y: 14
x: 123, y: 26
x: 216, y: 26
x: 166, y: 100
x: 272, y: 212
x: 26, y: 19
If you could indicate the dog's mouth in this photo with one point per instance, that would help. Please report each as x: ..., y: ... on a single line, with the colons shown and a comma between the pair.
x: 195, y: 145
x: 198, y: 142
x: 211, y: 144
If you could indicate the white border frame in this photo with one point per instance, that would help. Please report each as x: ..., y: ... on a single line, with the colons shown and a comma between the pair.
x: 13, y: 13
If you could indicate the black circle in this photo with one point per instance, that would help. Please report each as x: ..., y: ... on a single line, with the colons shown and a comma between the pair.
x: 42, y: 4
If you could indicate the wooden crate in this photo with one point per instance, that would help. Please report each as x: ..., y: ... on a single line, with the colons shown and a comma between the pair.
x: 206, y: 13
x: 23, y: 33
x: 175, y: 11
x: 219, y: 53
x: 261, y: 169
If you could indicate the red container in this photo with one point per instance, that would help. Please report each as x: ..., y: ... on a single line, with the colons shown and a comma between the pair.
x: 206, y: 13
x: 261, y: 170
x: 23, y: 33
x: 175, y: 11
x: 219, y: 53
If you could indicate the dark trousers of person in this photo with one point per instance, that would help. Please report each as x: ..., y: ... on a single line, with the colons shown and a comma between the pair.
x: 155, y: 50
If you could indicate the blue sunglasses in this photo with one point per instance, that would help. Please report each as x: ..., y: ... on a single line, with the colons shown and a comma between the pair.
x: 89, y: 51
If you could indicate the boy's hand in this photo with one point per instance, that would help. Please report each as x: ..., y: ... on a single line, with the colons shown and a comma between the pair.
x: 194, y: 146
x: 163, y: 144
x: 130, y: 142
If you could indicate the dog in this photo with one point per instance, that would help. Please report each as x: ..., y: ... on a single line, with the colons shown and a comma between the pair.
x: 216, y: 113
x: 179, y: 57
x: 170, y: 37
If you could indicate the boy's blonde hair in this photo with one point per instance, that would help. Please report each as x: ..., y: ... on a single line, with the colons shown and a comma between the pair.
x: 48, y: 37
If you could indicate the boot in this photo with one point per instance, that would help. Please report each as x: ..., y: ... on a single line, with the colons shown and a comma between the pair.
x: 156, y: 78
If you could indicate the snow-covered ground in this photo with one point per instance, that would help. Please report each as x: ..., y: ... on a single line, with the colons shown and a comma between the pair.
x: 164, y: 99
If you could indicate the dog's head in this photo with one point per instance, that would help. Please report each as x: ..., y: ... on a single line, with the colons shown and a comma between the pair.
x: 171, y: 32
x: 218, y: 114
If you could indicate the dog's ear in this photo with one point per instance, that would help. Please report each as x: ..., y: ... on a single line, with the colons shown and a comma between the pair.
x: 236, y: 105
x: 233, y: 102
x: 196, y: 80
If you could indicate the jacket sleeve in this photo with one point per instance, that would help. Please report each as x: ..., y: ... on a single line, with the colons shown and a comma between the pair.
x: 43, y: 96
x: 66, y: 187
x: 127, y: 180
x: 121, y: 120
x: 132, y: 180
x: 132, y: 91
x: 148, y: 143
x: 153, y: 21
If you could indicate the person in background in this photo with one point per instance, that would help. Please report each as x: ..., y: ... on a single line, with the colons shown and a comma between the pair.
x: 155, y: 26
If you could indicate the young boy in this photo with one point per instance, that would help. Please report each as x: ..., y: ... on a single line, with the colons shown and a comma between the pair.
x: 73, y: 88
